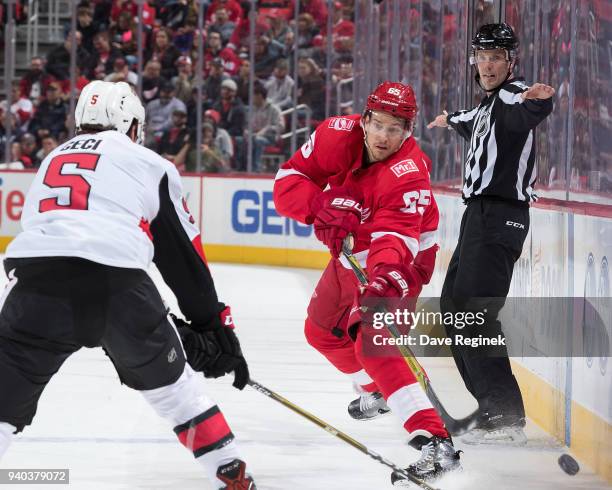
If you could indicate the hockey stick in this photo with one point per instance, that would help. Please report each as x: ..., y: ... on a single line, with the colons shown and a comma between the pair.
x: 455, y: 426
x: 338, y: 433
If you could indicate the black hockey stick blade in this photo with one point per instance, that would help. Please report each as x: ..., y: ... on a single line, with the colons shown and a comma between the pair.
x: 456, y: 427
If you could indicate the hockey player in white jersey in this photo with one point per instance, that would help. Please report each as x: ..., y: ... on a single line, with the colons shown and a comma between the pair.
x: 100, y: 209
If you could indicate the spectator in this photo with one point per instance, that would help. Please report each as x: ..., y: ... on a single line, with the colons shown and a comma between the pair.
x: 306, y: 31
x: 222, y: 25
x: 47, y: 145
x: 212, y: 160
x: 318, y: 51
x: 174, y: 138
x: 289, y: 45
x: 121, y: 73
x: 267, y: 123
x: 80, y: 82
x: 317, y: 9
x: 123, y: 6
x: 215, y: 49
x: 151, y: 81
x: 280, y: 85
x: 15, y: 132
x: 124, y: 35
x: 266, y: 56
x: 86, y: 26
x: 50, y: 116
x: 183, y: 82
x: 223, y: 141
x: 231, y: 108
x: 233, y: 7
x: 192, y: 106
x: 242, y: 80
x: 34, y: 83
x: 175, y: 14
x: 278, y: 27
x: 17, y: 154
x: 159, y: 113
x: 21, y: 107
x: 343, y: 31
x: 165, y: 52
x: 58, y: 59
x: 184, y: 36
x: 102, y: 13
x: 103, y: 58
x: 212, y: 85
x: 240, y: 36
x: 28, y: 151
x: 311, y: 88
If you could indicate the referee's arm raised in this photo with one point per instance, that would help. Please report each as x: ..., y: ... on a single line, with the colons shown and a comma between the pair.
x: 527, y: 108
x: 460, y: 121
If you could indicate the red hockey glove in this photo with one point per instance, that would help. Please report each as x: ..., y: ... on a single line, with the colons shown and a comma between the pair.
x: 389, y: 281
x: 214, y: 348
x: 390, y: 288
x: 336, y: 213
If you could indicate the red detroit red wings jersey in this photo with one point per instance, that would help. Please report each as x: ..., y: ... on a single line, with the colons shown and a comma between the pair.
x: 399, y: 214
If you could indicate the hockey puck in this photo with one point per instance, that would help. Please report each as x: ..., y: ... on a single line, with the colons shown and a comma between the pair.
x: 568, y: 464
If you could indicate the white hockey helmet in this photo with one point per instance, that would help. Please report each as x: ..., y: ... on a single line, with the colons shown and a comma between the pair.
x: 108, y: 105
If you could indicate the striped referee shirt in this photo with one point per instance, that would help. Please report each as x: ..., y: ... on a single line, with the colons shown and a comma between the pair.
x: 500, y: 160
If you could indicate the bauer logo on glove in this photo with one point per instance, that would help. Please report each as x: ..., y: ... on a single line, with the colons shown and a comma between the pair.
x: 335, y: 214
x: 342, y: 203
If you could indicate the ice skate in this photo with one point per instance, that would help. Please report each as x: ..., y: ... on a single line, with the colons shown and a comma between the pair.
x: 368, y: 406
x: 497, y: 429
x: 234, y: 476
x: 438, y: 456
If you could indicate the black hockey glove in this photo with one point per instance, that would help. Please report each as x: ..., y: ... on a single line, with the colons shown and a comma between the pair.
x: 214, y: 349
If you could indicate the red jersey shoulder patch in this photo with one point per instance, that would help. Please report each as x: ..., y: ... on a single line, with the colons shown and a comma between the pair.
x: 341, y: 124
x: 404, y: 167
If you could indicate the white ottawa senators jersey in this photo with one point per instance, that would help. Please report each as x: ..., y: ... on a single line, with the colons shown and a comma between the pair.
x: 95, y: 197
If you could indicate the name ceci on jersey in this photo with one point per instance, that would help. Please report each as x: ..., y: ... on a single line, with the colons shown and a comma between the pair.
x: 88, y: 144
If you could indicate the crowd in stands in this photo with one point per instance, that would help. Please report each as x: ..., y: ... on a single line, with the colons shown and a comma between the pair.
x: 106, y: 46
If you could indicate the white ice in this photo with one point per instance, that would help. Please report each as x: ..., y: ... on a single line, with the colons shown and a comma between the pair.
x: 110, y: 439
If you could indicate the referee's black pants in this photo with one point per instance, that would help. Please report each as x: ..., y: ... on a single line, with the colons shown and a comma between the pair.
x: 478, y: 279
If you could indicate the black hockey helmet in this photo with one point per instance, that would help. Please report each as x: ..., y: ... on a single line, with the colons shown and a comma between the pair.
x: 496, y: 36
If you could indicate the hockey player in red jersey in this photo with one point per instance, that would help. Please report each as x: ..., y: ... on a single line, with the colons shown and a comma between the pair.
x: 99, y: 210
x: 365, y: 175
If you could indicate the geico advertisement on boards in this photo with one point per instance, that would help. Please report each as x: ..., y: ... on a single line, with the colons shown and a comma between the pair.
x: 241, y: 212
x: 13, y: 189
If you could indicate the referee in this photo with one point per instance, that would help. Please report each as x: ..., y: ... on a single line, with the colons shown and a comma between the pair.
x: 500, y: 174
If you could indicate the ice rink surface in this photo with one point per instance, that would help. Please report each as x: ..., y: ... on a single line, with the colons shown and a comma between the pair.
x: 109, y: 438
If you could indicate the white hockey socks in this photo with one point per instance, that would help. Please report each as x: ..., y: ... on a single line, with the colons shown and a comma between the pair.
x: 197, y: 421
x: 6, y: 436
